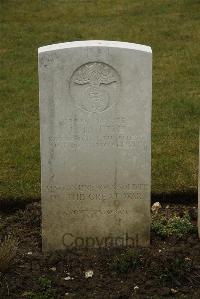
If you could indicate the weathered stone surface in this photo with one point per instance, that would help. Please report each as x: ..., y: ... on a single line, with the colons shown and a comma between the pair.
x: 95, y: 119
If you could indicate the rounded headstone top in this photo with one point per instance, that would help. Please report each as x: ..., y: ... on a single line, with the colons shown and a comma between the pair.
x: 95, y: 43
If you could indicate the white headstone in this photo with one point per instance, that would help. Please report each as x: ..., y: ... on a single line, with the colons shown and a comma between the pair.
x: 95, y: 120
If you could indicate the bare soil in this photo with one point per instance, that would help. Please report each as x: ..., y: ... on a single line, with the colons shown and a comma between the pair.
x: 169, y: 268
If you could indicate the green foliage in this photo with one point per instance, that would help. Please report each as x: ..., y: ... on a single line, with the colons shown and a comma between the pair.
x: 175, y: 225
x: 45, y: 283
x: 174, y: 270
x: 1, y: 228
x: 46, y: 291
x: 46, y: 288
x: 124, y: 262
x: 179, y: 226
x: 8, y: 250
x: 159, y: 224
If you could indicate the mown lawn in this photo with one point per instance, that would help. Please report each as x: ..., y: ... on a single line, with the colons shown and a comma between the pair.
x: 171, y: 28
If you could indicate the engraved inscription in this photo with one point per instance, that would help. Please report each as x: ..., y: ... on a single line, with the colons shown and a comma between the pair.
x: 95, y: 86
x: 99, y: 133
x: 98, y: 192
x: 91, y: 188
x: 48, y: 60
x: 95, y: 213
x: 125, y: 142
x: 101, y: 197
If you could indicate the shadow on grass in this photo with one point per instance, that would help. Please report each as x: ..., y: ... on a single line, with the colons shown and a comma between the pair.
x: 10, y: 205
x: 185, y: 197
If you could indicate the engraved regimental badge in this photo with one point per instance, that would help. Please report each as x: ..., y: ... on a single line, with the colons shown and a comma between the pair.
x: 95, y: 86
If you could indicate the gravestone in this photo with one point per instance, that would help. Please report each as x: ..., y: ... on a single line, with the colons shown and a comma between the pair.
x: 95, y: 120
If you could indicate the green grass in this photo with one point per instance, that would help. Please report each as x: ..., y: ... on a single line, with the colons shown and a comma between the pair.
x: 170, y: 27
x: 129, y: 260
x: 175, y: 225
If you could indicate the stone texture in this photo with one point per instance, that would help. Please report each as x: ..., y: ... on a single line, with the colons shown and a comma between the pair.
x: 95, y: 120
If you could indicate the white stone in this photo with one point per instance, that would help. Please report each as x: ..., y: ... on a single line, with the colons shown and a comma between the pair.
x: 89, y: 273
x: 156, y: 207
x: 67, y: 278
x: 95, y: 120
x: 174, y: 291
x: 53, y: 269
x: 136, y: 288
